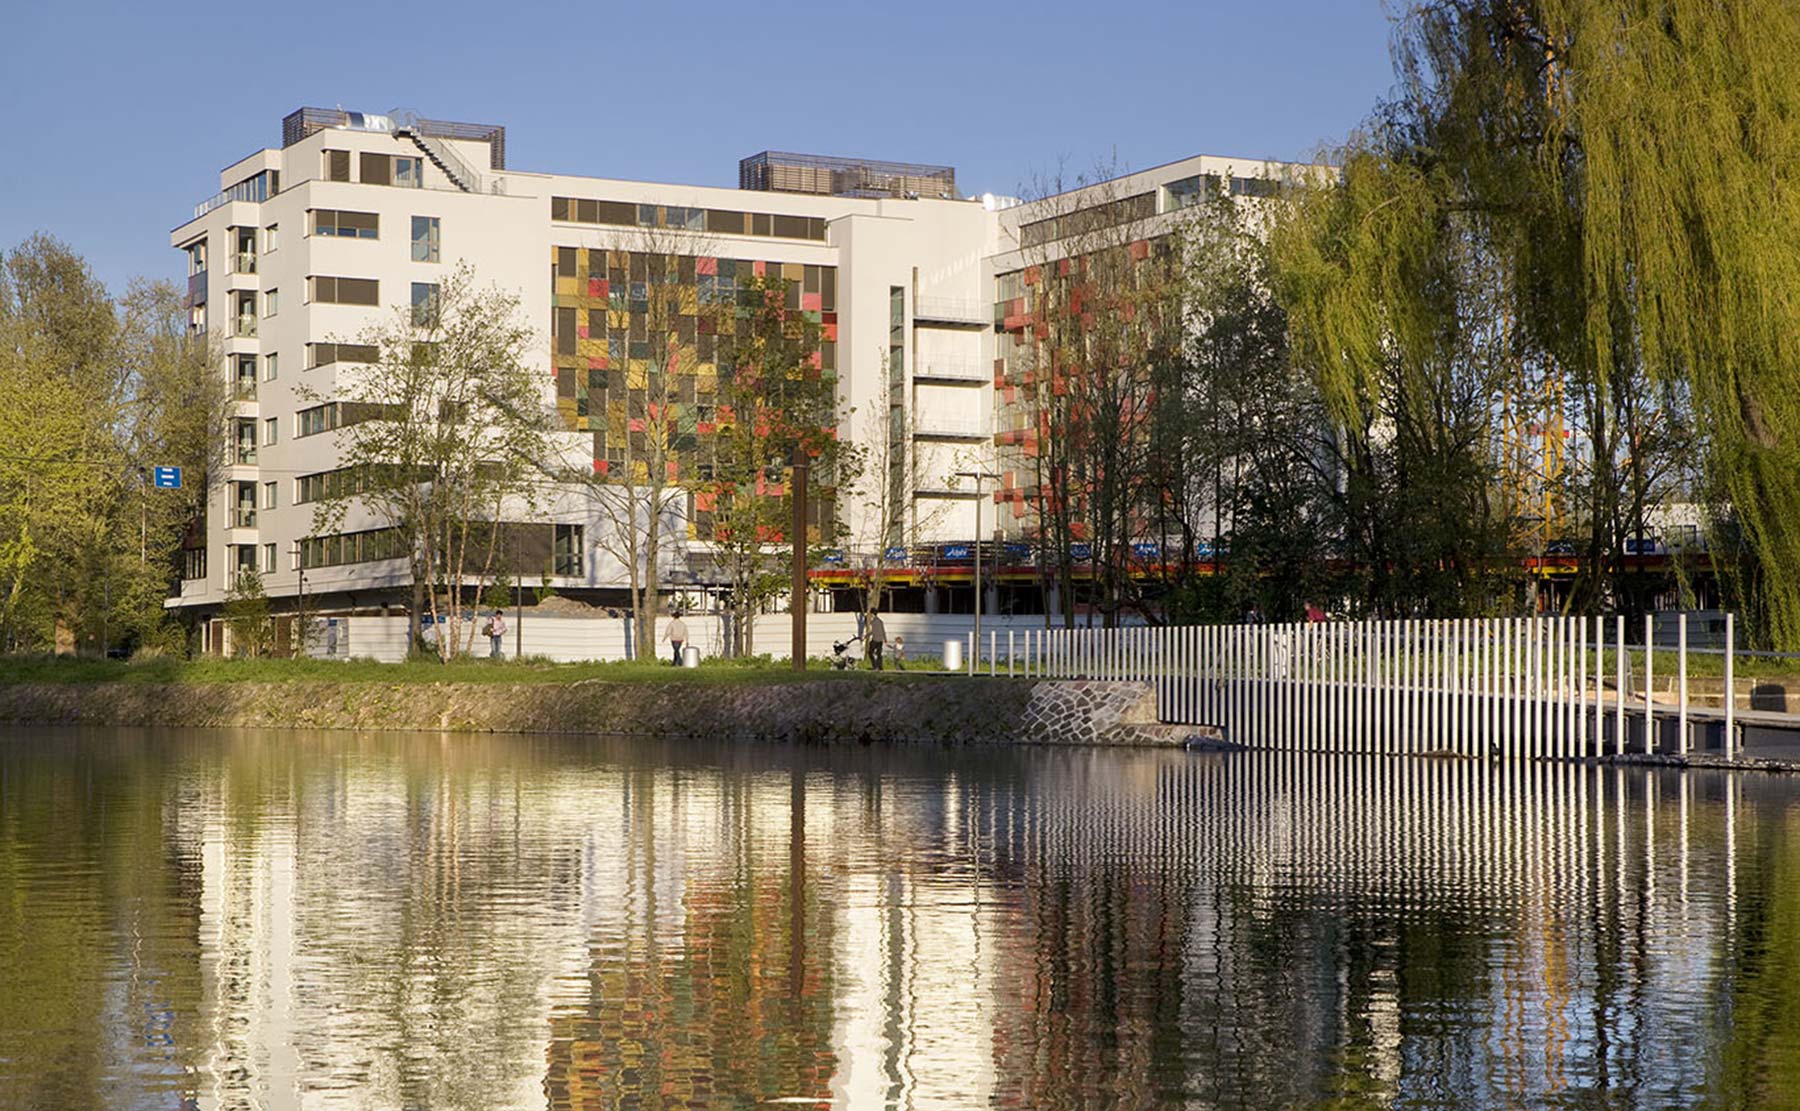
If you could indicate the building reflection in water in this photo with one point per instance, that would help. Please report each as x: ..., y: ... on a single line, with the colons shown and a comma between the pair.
x: 270, y: 921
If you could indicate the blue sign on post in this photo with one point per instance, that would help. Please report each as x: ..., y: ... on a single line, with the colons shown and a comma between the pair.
x: 168, y: 478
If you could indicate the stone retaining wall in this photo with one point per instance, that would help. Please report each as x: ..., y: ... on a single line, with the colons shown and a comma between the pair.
x: 945, y: 710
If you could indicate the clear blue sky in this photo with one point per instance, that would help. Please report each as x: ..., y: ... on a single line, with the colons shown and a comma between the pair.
x: 120, y: 115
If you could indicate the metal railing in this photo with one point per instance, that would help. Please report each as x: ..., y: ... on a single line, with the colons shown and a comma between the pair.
x: 952, y: 310
x: 244, y: 390
x: 961, y: 428
x: 244, y: 325
x: 243, y: 262
x: 952, y: 370
x: 243, y: 518
x: 454, y: 165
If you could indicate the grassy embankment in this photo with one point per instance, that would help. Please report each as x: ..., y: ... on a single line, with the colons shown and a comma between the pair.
x: 45, y: 669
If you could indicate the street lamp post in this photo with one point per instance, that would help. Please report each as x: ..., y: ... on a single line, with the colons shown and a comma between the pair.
x: 977, y: 476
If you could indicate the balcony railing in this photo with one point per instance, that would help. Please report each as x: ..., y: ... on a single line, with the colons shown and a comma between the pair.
x: 245, y: 455
x: 244, y: 390
x: 952, y: 370
x: 243, y: 518
x: 952, y: 310
x: 949, y: 428
x: 245, y: 326
x: 243, y: 262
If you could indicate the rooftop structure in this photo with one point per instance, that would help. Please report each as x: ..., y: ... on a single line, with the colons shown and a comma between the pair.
x: 825, y: 175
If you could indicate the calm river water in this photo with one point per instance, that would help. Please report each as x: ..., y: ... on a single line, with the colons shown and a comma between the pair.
x: 263, y: 920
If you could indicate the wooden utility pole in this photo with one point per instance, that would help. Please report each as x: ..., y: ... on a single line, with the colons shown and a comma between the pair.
x: 802, y: 471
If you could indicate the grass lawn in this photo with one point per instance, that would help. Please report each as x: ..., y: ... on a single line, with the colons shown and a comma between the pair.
x: 47, y: 669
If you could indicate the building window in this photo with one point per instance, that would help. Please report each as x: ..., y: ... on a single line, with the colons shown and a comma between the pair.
x: 324, y: 354
x: 346, y: 225
x: 244, y: 387
x: 271, y: 302
x: 337, y: 165
x: 344, y: 291
x: 244, y: 304
x: 268, y: 559
x: 271, y: 367
x: 351, y: 547
x: 377, y: 169
x: 271, y: 238
x: 197, y: 320
x: 193, y: 563
x: 243, y: 507
x: 409, y: 172
x: 566, y: 553
x: 268, y: 495
x: 196, y: 253
x: 424, y: 304
x: 246, y: 559
x: 245, y: 442
x: 319, y: 418
x: 269, y: 426
x: 425, y: 238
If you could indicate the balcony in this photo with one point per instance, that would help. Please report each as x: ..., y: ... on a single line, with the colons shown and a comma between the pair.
x: 944, y: 427
x: 960, y: 371
x: 243, y: 518
x: 952, y: 312
x: 243, y: 262
x: 244, y: 455
x: 244, y: 326
x: 244, y: 390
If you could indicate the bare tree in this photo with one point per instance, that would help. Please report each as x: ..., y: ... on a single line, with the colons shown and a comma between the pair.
x: 438, y: 441
x: 644, y: 460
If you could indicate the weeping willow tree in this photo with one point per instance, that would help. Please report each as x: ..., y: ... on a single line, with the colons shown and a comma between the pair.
x: 1586, y: 208
x: 1687, y: 117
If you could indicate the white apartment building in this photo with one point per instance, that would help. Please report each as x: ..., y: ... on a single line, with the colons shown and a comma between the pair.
x: 354, y: 215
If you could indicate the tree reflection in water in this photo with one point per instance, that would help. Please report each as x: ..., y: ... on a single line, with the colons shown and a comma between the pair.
x: 275, y: 920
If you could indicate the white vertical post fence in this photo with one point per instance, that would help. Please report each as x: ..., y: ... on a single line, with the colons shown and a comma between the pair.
x: 1515, y: 688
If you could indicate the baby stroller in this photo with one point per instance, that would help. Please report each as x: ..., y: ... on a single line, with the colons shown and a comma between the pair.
x: 841, y: 659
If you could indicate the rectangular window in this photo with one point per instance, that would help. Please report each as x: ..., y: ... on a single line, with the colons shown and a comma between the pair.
x: 409, y: 173
x: 269, y: 428
x: 351, y: 547
x: 196, y: 253
x: 245, y: 442
x: 317, y: 419
x: 424, y: 304
x: 271, y: 367
x: 377, y: 169
x: 566, y: 557
x: 345, y: 225
x: 324, y: 354
x: 563, y: 324
x: 268, y: 559
x: 345, y: 291
x: 268, y: 497
x: 566, y: 262
x: 243, y: 388
x: 271, y: 302
x: 271, y: 238
x: 244, y: 309
x: 425, y: 239
x: 337, y: 165
x: 193, y: 563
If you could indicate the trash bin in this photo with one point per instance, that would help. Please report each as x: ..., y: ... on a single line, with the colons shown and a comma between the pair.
x: 690, y: 656
x: 953, y: 654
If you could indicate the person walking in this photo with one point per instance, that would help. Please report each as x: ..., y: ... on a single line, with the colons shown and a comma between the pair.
x: 677, y: 635
x: 876, y: 639
x: 496, y: 631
